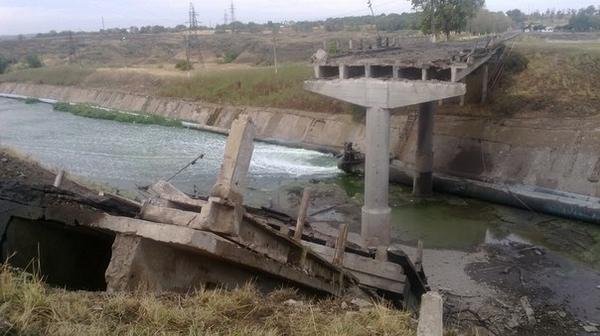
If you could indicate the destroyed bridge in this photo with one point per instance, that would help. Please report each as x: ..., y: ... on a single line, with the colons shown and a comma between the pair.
x: 174, y: 242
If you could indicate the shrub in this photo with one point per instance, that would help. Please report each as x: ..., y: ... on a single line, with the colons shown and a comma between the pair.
x: 33, y: 61
x: 89, y: 111
x: 184, y: 65
x: 516, y: 62
x: 32, y: 101
x: 230, y: 56
x: 4, y: 63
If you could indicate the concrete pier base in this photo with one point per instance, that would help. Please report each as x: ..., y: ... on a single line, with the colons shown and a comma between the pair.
x: 375, y: 228
x: 423, y: 180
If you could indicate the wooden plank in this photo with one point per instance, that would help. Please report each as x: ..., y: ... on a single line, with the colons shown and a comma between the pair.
x: 353, y: 262
x: 302, y: 214
x: 340, y: 245
x: 379, y: 283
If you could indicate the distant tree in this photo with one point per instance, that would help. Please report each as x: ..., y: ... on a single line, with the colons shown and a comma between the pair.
x: 4, y: 63
x: 446, y: 16
x: 587, y: 19
x: 33, y: 61
x: 486, y: 22
x: 517, y: 16
x: 184, y: 65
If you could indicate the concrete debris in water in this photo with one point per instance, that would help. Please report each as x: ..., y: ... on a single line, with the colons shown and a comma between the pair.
x: 528, y: 310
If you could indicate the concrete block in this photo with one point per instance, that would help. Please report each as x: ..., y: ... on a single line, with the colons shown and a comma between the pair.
x: 431, y: 315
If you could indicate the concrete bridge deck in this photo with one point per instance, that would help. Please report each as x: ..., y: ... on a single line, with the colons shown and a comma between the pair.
x: 448, y: 61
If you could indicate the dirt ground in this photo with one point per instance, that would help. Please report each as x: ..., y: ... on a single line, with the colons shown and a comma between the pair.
x: 16, y: 167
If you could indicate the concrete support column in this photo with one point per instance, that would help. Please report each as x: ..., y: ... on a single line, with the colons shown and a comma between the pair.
x: 423, y: 179
x: 343, y: 71
x: 484, y: 84
x: 224, y: 212
x: 375, y: 228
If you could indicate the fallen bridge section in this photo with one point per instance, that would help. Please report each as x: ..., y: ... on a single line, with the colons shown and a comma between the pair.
x: 172, y: 242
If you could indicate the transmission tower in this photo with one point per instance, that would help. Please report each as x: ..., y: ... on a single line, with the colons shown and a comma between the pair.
x: 232, y: 17
x: 193, y: 18
x: 191, y: 37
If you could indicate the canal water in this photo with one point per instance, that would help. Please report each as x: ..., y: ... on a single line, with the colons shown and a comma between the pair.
x: 126, y: 156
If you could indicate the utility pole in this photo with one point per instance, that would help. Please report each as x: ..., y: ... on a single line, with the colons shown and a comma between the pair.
x: 225, y: 19
x: 433, y: 33
x: 275, y: 31
x: 103, y: 26
x: 72, y: 48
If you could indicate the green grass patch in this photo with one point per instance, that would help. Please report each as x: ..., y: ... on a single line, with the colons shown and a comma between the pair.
x: 32, y: 101
x: 61, y: 75
x: 89, y: 111
x: 260, y: 87
x: 30, y: 307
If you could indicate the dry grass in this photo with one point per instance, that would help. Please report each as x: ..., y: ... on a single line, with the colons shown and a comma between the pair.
x: 231, y: 85
x: 259, y: 86
x: 561, y: 79
x: 60, y: 75
x: 29, y: 307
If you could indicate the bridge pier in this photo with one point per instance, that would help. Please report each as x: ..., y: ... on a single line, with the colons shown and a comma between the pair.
x: 423, y: 178
x: 484, y: 84
x: 376, y: 211
x: 379, y: 96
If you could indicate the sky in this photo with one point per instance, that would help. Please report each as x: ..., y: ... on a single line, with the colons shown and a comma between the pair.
x: 34, y: 16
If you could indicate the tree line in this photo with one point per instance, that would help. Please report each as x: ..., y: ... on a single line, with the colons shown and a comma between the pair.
x: 437, y: 16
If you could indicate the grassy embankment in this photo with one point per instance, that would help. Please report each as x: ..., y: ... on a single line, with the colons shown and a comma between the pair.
x: 561, y: 79
x: 29, y: 307
x: 259, y: 87
x: 88, y: 111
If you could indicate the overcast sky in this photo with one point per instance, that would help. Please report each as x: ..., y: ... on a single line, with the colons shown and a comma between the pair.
x: 33, y: 16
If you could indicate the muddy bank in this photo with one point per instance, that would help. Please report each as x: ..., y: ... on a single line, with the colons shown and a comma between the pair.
x: 486, y: 261
x: 537, y: 150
